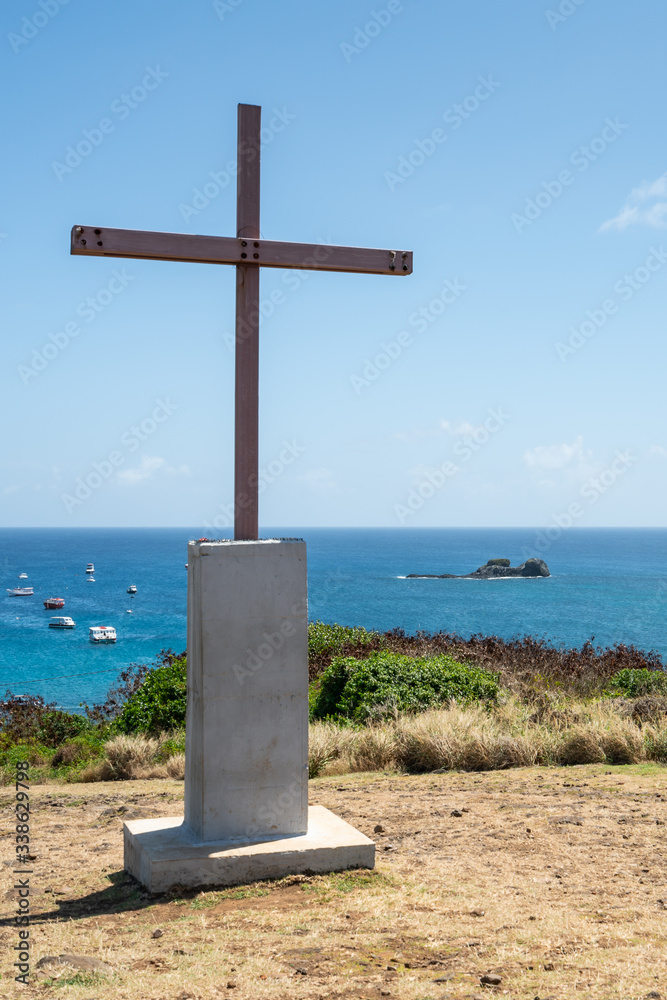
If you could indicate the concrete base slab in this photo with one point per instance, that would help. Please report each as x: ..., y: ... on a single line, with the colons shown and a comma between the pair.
x: 163, y: 852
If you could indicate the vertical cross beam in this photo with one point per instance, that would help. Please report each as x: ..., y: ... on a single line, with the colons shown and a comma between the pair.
x: 246, y: 446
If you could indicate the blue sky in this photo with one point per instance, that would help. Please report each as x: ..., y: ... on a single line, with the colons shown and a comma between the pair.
x: 515, y: 378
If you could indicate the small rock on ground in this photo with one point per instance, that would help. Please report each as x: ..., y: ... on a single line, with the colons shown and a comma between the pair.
x: 76, y: 961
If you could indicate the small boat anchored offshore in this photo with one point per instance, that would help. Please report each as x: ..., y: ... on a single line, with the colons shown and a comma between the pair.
x: 131, y: 589
x: 21, y: 591
x: 90, y: 568
x: 61, y: 623
x: 102, y: 633
x: 54, y: 602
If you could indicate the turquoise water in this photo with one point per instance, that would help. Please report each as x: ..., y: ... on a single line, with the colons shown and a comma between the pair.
x: 611, y: 584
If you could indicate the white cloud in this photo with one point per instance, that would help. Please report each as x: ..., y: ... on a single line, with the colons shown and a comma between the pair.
x: 643, y: 207
x: 147, y: 468
x: 651, y: 189
x: 319, y: 479
x: 11, y: 489
x: 414, y: 435
x: 556, y: 456
x: 443, y: 427
x: 458, y: 430
x: 657, y: 449
x: 563, y: 462
x: 149, y: 465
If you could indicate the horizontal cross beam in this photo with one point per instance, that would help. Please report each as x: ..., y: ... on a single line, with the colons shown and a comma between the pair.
x: 90, y: 242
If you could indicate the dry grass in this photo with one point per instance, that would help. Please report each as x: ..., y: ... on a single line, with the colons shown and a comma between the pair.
x: 334, y: 749
x: 132, y: 758
x: 327, y: 743
x: 511, y: 734
x: 373, y: 749
x: 552, y: 878
x: 462, y: 740
x: 474, y: 739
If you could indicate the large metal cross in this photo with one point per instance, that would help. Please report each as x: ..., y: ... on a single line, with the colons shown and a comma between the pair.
x: 248, y: 253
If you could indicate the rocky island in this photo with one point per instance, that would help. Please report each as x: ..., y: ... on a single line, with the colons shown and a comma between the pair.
x: 494, y: 568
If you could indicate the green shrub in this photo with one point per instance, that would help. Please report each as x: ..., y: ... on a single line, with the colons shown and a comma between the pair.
x: 35, y: 721
x: 386, y: 683
x: 634, y: 683
x: 171, y: 745
x: 655, y: 743
x: 498, y: 562
x: 34, y: 753
x: 88, y: 746
x: 158, y: 705
x: 330, y: 640
x: 313, y: 694
x: 55, y: 727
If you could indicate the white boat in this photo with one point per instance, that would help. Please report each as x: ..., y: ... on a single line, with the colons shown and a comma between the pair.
x: 131, y: 589
x: 61, y: 623
x: 90, y: 579
x: 23, y: 576
x: 90, y: 568
x: 21, y: 591
x: 102, y: 633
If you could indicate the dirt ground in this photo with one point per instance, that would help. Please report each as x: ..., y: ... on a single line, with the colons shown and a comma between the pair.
x: 553, y: 880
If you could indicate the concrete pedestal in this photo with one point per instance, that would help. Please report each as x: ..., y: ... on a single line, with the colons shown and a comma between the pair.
x: 246, y: 753
x: 246, y: 774
x: 160, y: 853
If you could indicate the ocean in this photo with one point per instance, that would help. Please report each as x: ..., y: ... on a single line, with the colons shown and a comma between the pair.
x: 606, y: 583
